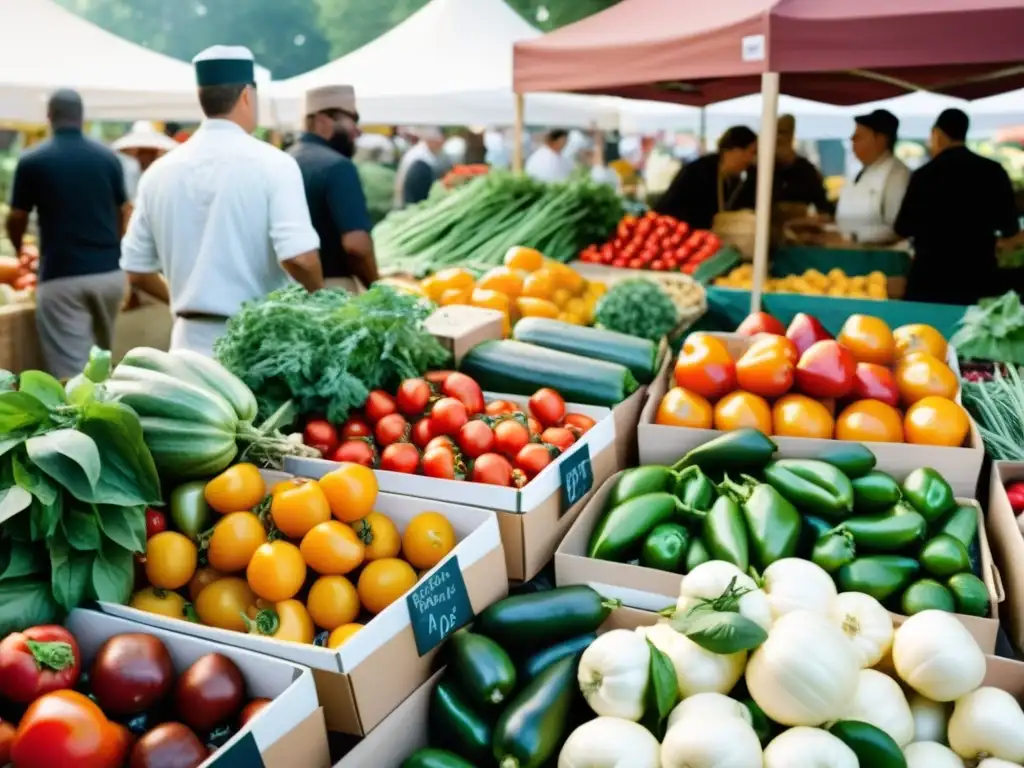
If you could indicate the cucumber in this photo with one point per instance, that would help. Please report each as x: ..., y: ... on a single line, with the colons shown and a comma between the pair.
x: 639, y: 355
x: 435, y: 758
x: 970, y: 594
x: 530, y: 622
x: 880, y: 576
x: 456, y: 724
x: 944, y: 556
x: 521, y: 369
x: 533, y: 665
x: 532, y: 726
x: 483, y: 671
x: 962, y: 524
x: 925, y: 595
x: 872, y: 745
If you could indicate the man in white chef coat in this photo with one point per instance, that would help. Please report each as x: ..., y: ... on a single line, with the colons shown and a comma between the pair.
x: 548, y: 163
x: 869, y: 204
x: 223, y: 219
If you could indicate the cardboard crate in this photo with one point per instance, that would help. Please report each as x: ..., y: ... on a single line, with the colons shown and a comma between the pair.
x: 1004, y: 532
x: 19, y: 341
x: 532, y: 519
x: 460, y: 328
x: 659, y: 444
x: 361, y: 682
x: 288, y: 732
x: 652, y: 590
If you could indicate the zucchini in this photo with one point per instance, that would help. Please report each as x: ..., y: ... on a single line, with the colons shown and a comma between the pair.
x: 639, y: 355
x: 435, y: 758
x: 188, y: 451
x: 151, y: 393
x: 534, y: 723
x: 538, y: 620
x: 483, y: 670
x: 522, y: 369
x: 872, y: 745
x: 533, y: 665
x: 456, y: 725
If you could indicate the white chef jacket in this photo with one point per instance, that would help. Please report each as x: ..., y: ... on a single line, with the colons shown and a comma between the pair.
x: 216, y: 217
x: 547, y: 165
x: 869, y: 204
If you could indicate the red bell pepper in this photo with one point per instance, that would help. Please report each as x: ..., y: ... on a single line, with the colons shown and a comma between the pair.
x: 875, y: 382
x: 826, y: 369
x: 38, y: 661
x: 1015, y: 493
x: 805, y: 330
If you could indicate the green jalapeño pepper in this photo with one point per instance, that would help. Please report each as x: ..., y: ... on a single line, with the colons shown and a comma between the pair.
x: 622, y: 530
x: 874, y: 492
x: 813, y: 486
x: 813, y: 529
x: 834, y: 550
x: 852, y: 459
x: 637, y: 482
x: 880, y: 576
x: 962, y: 525
x: 741, y: 449
x: 890, y: 531
x: 697, y: 554
x: 929, y: 493
x: 772, y: 522
x: 696, y: 492
x: 944, y: 556
x: 725, y: 533
x: 665, y: 548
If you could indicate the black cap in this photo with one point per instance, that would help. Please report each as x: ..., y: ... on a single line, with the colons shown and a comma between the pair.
x: 880, y: 121
x: 954, y: 123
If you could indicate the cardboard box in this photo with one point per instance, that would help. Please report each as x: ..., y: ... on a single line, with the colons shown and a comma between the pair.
x: 532, y: 519
x: 627, y: 414
x: 652, y: 590
x: 961, y: 467
x: 1008, y: 544
x: 289, y: 732
x: 19, y: 341
x: 460, y: 328
x: 361, y: 682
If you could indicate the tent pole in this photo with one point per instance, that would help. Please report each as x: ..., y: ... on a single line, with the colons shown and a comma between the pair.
x: 765, y: 175
x: 517, y: 146
x: 703, y: 145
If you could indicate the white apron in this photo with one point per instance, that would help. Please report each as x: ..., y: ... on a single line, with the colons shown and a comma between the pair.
x: 196, y: 335
x: 860, y: 213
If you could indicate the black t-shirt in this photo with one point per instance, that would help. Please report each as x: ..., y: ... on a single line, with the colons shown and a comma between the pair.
x: 335, y: 197
x: 797, y: 182
x: 693, y: 194
x: 954, y: 209
x: 77, y: 186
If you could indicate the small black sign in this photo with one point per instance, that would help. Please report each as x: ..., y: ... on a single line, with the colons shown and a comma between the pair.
x: 242, y: 754
x: 439, y: 605
x: 577, y: 476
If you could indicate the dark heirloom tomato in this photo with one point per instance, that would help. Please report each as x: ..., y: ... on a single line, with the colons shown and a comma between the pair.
x: 250, y: 710
x: 209, y: 693
x: 131, y: 673
x: 66, y: 728
x: 37, y: 661
x: 171, y: 745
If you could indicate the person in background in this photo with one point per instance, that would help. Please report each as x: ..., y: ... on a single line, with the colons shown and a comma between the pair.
x: 222, y: 219
x: 76, y: 186
x: 714, y: 183
x: 419, y: 168
x: 796, y: 178
x: 868, y: 205
x: 334, y: 191
x: 144, y: 144
x: 548, y: 163
x: 954, y: 207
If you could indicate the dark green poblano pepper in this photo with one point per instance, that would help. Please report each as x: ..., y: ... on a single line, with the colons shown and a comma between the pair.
x: 834, y: 550
x: 637, y: 482
x: 929, y: 493
x: 742, y: 449
x: 813, y: 486
x: 725, y: 533
x: 875, y: 492
x: 696, y: 492
x: 773, y: 524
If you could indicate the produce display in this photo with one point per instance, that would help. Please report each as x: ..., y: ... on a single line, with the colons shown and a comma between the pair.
x: 474, y: 224
x: 906, y: 544
x: 440, y: 426
x: 641, y: 308
x: 993, y: 331
x: 657, y: 242
x: 886, y: 386
x: 996, y: 401
x: 127, y: 708
x: 812, y: 283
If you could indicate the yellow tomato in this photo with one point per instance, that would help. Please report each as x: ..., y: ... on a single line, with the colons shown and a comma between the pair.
x: 454, y: 277
x: 597, y: 289
x: 276, y: 571
x: 561, y: 297
x: 565, y: 277
x: 489, y: 299
x: 235, y: 537
x: 530, y: 307
x: 333, y: 601
x: 236, y: 489
x: 384, y: 581
x: 432, y: 288
x: 937, y: 421
x: 351, y: 491
x: 332, y: 548
x: 171, y: 560
x: 225, y: 604
x: 526, y: 259
x: 379, y: 535
x: 159, y: 601
x: 539, y: 285
x: 503, y: 280
x: 919, y: 337
x: 286, y: 620
x: 454, y: 296
x: 427, y: 539
x: 202, y: 578
x: 300, y: 507
x: 343, y: 633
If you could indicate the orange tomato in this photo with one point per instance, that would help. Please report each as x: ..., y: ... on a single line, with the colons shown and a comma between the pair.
x: 276, y: 571
x: 870, y: 421
x: 299, y: 507
x: 937, y: 421
x: 764, y: 369
x: 332, y: 549
x: 236, y: 489
x: 869, y: 339
x: 338, y: 637
x: 533, y: 307
x: 351, y: 491
x: 489, y: 299
x: 802, y: 416
x: 235, y: 537
x: 704, y: 366
x: 332, y: 601
x: 743, y: 409
x: 785, y: 346
x: 921, y: 375
x: 683, y: 408
x: 454, y: 296
x: 539, y: 285
x: 384, y: 581
x: 503, y: 280
x: 171, y: 560
x: 379, y: 535
x: 919, y: 337
x: 202, y: 578
x: 225, y: 603
x: 520, y: 257
x: 453, y: 278
x: 427, y: 539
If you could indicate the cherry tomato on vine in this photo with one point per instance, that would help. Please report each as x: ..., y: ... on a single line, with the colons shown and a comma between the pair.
x: 441, y: 462
x: 560, y: 437
x: 156, y: 522
x: 358, y: 450
x: 378, y: 405
x: 492, y: 469
x: 320, y: 434
x: 578, y: 421
x: 510, y: 436
x: 534, y: 458
x: 547, y: 406
x: 440, y: 441
x: 413, y: 396
x: 476, y: 438
x: 422, y: 432
x: 390, y: 429
x: 465, y: 390
x: 400, y: 457
x: 356, y: 426
x: 500, y: 407
x: 39, y: 660
x: 448, y: 416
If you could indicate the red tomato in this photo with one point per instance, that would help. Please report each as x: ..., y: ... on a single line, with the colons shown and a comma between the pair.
x: 636, y: 264
x: 378, y: 405
x: 476, y: 438
x: 547, y: 406
x: 441, y: 462
x: 492, y: 469
x: 466, y: 391
x: 437, y: 378
x: 356, y: 426
x: 156, y: 522
x: 510, y: 436
x: 66, y: 728
x: 764, y: 368
x: 442, y: 441
x: 500, y: 407
x: 358, y: 450
x: 534, y: 426
x: 37, y: 661
x: 448, y: 416
x: 210, y: 692
x: 534, y: 458
x: 578, y: 421
x: 7, y: 731
x: 826, y: 369
x: 413, y: 396
x: 390, y: 429
x: 320, y: 434
x: 422, y: 432
x: 169, y: 744
x: 400, y: 457
x: 618, y: 263
x: 805, y: 330
x: 760, y: 322
x: 875, y: 382
x: 560, y: 437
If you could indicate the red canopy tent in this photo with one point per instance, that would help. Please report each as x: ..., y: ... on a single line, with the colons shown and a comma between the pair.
x: 836, y: 51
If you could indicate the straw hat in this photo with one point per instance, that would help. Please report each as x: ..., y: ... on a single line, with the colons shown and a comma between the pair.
x: 144, y: 135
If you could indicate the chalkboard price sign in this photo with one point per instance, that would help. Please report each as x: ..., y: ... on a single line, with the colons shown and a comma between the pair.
x: 242, y: 754
x: 439, y: 605
x: 577, y: 476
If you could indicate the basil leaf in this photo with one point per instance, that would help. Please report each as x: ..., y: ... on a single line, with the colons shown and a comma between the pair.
x: 125, y: 526
x: 82, y: 529
x: 27, y: 603
x: 12, y: 501
x: 19, y: 410
x: 45, y: 518
x: 128, y: 476
x: 43, y: 387
x: 24, y: 561
x: 70, y: 573
x: 69, y: 457
x: 662, y: 692
x: 722, y: 632
x: 11, y: 442
x: 113, y: 574
x: 33, y: 481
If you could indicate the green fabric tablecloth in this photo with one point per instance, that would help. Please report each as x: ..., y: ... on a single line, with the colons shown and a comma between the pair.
x: 797, y: 259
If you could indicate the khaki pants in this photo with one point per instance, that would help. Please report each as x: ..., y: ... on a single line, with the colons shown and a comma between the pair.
x: 73, y: 314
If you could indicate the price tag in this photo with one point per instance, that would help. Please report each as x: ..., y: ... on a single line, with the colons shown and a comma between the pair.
x: 577, y: 477
x: 438, y: 606
x: 242, y: 754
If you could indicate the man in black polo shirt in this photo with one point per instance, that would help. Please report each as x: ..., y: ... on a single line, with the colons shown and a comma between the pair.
x: 954, y: 208
x: 77, y: 187
x: 334, y: 193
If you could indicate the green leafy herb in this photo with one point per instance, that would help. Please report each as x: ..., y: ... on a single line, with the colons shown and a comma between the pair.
x: 639, y: 307
x: 662, y: 691
x: 992, y: 330
x: 716, y: 625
